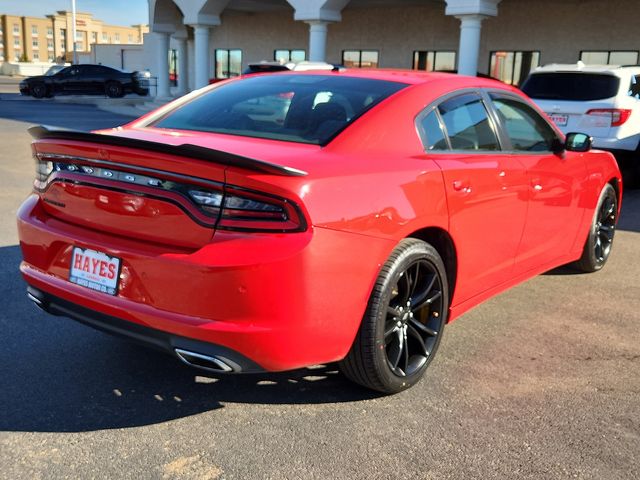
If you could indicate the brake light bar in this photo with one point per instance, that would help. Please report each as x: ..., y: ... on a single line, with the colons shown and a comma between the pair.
x: 618, y: 115
x: 230, y: 207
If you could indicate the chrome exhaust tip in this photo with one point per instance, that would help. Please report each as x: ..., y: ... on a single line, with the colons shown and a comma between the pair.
x: 204, y: 362
x: 36, y: 300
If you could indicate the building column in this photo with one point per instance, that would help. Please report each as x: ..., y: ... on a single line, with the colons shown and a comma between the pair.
x: 318, y: 14
x: 201, y: 60
x: 182, y: 70
x: 318, y: 41
x: 470, y: 27
x: 470, y: 14
x: 162, y: 62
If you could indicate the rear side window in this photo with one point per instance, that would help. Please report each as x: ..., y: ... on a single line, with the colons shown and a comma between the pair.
x: 526, y: 129
x: 467, y: 123
x: 634, y: 88
x: 297, y: 108
x: 571, y: 86
x: 433, y: 134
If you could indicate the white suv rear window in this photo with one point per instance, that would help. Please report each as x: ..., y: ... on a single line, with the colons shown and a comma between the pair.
x: 577, y: 86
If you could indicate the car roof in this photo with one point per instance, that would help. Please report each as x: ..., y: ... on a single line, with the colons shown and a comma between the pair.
x: 411, y: 77
x: 584, y: 68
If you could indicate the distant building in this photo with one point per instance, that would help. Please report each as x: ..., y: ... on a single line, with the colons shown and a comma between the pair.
x: 49, y: 39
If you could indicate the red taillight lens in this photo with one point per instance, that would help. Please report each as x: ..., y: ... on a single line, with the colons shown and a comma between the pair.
x: 251, y: 211
x: 618, y: 115
x: 246, y: 210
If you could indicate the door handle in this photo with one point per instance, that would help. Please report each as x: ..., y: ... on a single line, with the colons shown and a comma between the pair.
x: 462, y: 186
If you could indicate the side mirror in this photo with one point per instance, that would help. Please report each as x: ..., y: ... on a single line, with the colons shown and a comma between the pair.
x: 578, y: 142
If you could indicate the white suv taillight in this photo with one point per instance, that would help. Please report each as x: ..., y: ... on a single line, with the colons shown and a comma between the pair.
x: 618, y: 115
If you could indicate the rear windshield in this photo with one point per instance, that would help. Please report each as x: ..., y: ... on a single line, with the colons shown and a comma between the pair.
x: 571, y: 86
x: 298, y: 108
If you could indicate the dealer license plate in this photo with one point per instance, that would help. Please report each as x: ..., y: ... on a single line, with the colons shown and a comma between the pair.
x: 95, y: 270
x: 559, y: 119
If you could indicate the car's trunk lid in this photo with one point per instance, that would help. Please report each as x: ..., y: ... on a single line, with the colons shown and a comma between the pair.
x: 141, y: 189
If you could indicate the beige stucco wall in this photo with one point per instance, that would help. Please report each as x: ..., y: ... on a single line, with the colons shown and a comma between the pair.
x: 561, y: 29
x: 558, y: 29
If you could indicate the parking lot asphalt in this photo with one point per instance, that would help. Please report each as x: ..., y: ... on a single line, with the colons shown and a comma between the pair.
x: 542, y: 381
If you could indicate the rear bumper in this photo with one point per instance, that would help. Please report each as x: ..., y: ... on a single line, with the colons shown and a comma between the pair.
x: 282, y: 301
x: 149, y: 337
x: 628, y: 144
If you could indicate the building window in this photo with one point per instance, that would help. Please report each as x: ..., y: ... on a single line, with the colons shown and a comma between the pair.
x: 36, y: 56
x: 130, y: 38
x: 116, y: 38
x: 49, y: 44
x: 49, y: 32
x: 16, y: 29
x: 285, y: 56
x: 613, y: 57
x: 94, y: 37
x: 228, y: 63
x: 430, y: 61
x: 34, y: 31
x: 360, y: 58
x: 79, y: 35
x: 105, y: 37
x: 34, y: 43
x: 513, y: 67
x: 16, y: 42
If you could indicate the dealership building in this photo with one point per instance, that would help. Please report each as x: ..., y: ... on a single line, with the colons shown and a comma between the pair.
x: 207, y: 39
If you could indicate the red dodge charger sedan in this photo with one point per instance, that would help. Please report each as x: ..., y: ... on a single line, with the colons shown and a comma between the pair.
x: 285, y: 220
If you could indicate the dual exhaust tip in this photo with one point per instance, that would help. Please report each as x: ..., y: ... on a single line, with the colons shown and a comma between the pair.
x: 209, y: 363
x: 205, y: 362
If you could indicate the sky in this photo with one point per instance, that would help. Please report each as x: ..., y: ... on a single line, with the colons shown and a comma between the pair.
x: 112, y: 12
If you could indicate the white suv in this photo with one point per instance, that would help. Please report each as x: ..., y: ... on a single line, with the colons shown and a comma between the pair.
x: 600, y: 100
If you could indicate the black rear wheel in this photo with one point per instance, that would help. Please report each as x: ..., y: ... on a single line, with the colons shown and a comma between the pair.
x: 598, y: 246
x: 39, y: 90
x: 403, y: 324
x: 113, y: 90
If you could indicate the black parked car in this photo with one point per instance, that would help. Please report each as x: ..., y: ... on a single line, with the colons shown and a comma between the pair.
x: 86, y: 80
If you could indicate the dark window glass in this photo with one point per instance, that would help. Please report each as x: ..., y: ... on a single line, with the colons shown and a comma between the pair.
x: 467, y: 123
x: 609, y: 57
x: 571, y: 86
x: 634, y: 89
x: 228, y: 63
x: 526, y: 129
x: 435, y: 138
x: 360, y: 58
x: 289, y: 56
x: 430, y: 61
x: 297, y: 108
x: 513, y: 67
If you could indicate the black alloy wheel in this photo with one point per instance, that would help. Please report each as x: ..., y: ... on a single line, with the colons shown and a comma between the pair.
x: 39, y: 90
x: 402, y: 327
x: 599, y: 243
x: 113, y: 90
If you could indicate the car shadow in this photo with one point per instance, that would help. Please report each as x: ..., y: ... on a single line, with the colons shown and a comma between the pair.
x: 60, y: 376
x: 66, y: 115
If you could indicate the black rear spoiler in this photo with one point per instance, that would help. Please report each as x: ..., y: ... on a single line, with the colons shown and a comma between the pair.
x: 187, y: 150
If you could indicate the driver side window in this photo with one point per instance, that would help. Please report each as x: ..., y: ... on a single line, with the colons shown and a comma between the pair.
x: 467, y: 123
x: 526, y: 129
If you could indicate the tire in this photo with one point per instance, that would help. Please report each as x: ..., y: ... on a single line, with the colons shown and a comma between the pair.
x: 39, y: 90
x: 113, y: 90
x: 599, y: 242
x: 403, y: 324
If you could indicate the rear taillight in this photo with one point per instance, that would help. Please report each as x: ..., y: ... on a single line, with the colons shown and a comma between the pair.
x: 252, y: 211
x: 618, y: 116
x: 230, y: 207
x: 246, y: 210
